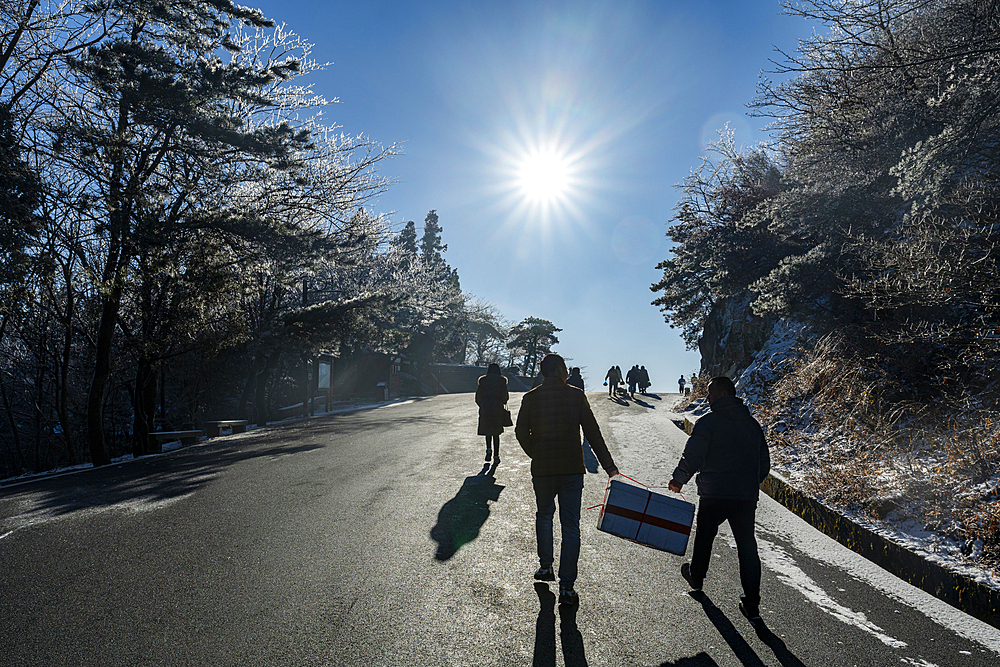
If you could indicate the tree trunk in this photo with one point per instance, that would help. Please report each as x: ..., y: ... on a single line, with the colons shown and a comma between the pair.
x: 18, y: 455
x: 99, y: 382
x: 248, y: 387
x: 313, y: 386
x: 305, y: 387
x: 39, y: 417
x: 260, y: 402
x: 64, y: 366
x: 144, y: 407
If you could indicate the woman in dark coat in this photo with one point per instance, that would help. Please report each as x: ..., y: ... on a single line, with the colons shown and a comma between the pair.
x: 491, y: 397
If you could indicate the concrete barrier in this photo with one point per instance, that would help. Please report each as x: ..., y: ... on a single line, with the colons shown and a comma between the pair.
x: 961, y: 592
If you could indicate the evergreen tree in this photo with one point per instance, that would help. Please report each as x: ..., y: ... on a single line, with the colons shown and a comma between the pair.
x: 404, y: 245
x: 20, y: 197
x: 431, y: 248
x: 535, y: 338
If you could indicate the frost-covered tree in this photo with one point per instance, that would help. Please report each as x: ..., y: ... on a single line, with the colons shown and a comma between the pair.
x: 487, y: 333
x: 722, y: 231
x: 879, y: 211
x: 892, y: 117
x: 181, y: 121
x: 405, y: 244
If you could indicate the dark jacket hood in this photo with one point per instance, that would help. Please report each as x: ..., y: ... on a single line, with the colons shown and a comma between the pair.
x: 731, y: 408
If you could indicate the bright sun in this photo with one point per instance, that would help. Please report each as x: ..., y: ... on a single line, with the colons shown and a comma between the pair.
x: 544, y: 176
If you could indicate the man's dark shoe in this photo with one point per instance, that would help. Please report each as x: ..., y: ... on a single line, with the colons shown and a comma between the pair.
x: 695, y: 584
x: 568, y: 596
x: 545, y: 574
x: 751, y: 611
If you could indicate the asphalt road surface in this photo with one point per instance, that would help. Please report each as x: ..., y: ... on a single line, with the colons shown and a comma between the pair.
x: 379, y: 538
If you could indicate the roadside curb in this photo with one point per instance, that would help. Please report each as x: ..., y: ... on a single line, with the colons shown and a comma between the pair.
x: 959, y: 591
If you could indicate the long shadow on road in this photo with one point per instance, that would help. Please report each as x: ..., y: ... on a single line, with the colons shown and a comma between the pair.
x: 739, y: 646
x: 545, y: 632
x: 179, y: 473
x: 461, y: 517
x: 153, y: 479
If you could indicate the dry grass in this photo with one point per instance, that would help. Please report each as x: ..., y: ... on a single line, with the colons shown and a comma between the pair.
x: 837, y: 424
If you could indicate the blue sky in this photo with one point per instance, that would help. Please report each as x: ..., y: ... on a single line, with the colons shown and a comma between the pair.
x: 621, y: 95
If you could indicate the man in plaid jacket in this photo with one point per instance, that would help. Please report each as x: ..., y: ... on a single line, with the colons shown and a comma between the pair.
x: 548, y: 430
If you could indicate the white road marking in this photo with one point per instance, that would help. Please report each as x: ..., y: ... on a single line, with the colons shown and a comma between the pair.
x: 777, y: 559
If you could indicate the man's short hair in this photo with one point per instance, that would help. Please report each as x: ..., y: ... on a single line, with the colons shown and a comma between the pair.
x: 551, y: 364
x: 723, y: 386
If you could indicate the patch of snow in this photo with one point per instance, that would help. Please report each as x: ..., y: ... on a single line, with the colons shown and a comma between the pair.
x: 767, y: 364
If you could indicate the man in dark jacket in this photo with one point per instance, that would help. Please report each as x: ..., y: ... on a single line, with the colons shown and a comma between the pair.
x: 728, y: 451
x: 548, y: 430
x: 575, y: 379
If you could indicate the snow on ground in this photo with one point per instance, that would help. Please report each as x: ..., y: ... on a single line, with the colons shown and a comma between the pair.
x: 775, y: 524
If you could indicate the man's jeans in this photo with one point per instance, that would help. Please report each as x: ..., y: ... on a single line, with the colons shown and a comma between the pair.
x: 569, y: 490
x: 740, y: 514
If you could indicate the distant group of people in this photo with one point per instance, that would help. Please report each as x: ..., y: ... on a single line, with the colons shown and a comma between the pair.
x: 637, y: 376
x: 682, y: 385
x: 726, y: 450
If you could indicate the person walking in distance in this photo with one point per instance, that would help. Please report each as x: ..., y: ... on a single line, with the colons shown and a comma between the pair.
x: 575, y: 379
x: 491, y: 396
x: 643, y: 380
x: 632, y: 378
x: 548, y: 430
x: 728, y: 451
x: 680, y: 385
x: 612, y: 379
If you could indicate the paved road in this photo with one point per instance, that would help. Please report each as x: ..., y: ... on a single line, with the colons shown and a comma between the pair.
x: 376, y: 538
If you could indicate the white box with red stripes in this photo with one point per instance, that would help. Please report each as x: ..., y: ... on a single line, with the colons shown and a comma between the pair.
x: 646, y: 517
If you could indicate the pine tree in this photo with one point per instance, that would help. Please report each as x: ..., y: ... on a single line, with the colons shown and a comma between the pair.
x: 431, y: 248
x: 535, y: 338
x: 405, y: 244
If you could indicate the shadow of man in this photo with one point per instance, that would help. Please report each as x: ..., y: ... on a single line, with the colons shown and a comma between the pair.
x: 736, y: 642
x: 739, y: 646
x: 572, y: 641
x: 781, y: 652
x: 460, y: 519
x: 545, y: 628
x: 545, y: 632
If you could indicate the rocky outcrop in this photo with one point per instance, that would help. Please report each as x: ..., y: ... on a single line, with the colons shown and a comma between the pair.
x: 732, y: 335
